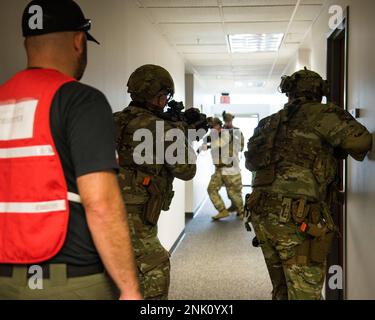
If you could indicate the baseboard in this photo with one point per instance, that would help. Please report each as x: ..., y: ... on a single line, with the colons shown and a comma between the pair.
x: 189, y: 215
x: 199, y: 207
x: 177, y: 242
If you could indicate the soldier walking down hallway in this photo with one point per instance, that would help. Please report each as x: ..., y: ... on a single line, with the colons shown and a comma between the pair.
x: 225, y: 148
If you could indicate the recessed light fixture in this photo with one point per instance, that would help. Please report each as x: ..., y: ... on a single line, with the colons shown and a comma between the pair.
x: 255, y: 42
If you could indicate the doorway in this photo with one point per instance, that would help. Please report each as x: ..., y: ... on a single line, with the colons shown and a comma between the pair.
x: 247, y: 124
x: 337, y: 57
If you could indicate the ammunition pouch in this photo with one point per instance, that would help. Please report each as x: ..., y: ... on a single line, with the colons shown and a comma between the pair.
x: 154, y: 204
x: 168, y: 197
x: 299, y: 210
x: 133, y: 192
x: 319, y: 231
x: 312, y: 250
x: 320, y: 247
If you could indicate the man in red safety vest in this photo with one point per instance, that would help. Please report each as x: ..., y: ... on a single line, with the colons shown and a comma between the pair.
x: 62, y: 219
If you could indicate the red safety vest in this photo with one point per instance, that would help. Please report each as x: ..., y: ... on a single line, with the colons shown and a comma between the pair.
x: 34, y: 208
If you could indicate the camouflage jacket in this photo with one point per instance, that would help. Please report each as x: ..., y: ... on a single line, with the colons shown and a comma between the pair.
x: 226, y: 147
x: 132, y: 173
x: 295, y: 152
x: 237, y: 137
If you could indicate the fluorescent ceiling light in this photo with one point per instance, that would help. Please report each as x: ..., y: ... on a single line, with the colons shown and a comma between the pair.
x: 262, y: 42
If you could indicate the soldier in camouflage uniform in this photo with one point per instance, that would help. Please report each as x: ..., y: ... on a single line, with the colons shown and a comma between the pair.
x: 294, y: 157
x: 227, y: 173
x: 236, y: 134
x: 147, y: 188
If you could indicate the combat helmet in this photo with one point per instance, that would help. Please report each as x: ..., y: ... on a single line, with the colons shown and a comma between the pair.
x: 304, y: 83
x: 227, y: 116
x: 148, y: 80
x: 214, y: 121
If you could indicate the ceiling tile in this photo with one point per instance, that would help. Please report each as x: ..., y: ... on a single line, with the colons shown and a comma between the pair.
x: 294, y: 37
x: 245, y: 14
x: 257, y: 2
x: 176, y: 39
x: 178, y: 3
x: 313, y: 2
x: 300, y: 26
x: 207, y: 56
x: 196, y: 61
x: 306, y: 12
x: 202, y: 49
x: 170, y: 15
x: 194, y: 33
x: 268, y: 2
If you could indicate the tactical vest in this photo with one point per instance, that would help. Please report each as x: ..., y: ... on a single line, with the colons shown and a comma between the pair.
x: 140, y: 183
x: 34, y: 209
x: 275, y: 144
x: 221, y: 151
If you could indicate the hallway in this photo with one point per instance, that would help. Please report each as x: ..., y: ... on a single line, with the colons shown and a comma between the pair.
x: 216, y: 260
x: 224, y: 56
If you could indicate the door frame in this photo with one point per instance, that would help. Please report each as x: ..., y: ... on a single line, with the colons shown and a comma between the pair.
x: 341, y: 32
x: 244, y: 115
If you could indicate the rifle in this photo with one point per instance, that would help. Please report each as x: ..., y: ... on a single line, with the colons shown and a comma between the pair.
x: 192, y: 117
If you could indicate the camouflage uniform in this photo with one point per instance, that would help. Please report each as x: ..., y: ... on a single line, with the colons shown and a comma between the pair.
x: 148, y: 188
x: 226, y: 174
x: 294, y: 157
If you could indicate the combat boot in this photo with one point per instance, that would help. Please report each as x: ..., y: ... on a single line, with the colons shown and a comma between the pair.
x: 222, y: 214
x: 232, y: 208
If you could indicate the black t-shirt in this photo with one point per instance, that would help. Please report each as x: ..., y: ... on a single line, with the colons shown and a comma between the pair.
x: 84, y: 134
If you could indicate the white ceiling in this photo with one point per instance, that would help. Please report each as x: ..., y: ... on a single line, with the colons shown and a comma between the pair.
x: 198, y: 30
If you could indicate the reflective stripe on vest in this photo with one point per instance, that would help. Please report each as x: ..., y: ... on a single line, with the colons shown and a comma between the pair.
x: 34, y: 197
x: 24, y: 152
x: 37, y: 207
x: 73, y: 197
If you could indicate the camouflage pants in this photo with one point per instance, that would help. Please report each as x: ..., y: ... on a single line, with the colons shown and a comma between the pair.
x: 293, y: 276
x: 233, y: 184
x: 151, y: 258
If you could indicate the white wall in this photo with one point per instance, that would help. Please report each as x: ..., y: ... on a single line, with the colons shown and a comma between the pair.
x: 361, y: 175
x: 128, y: 40
x: 202, y: 100
x: 262, y: 110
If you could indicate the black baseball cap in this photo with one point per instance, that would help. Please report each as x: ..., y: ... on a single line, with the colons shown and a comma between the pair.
x: 54, y: 16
